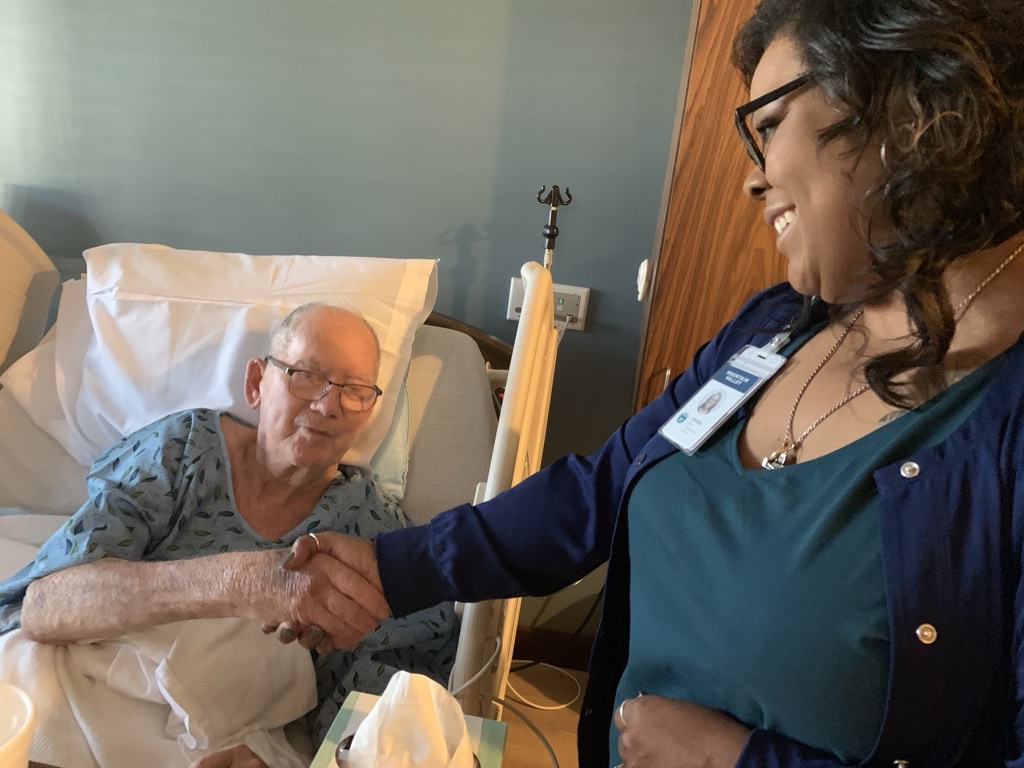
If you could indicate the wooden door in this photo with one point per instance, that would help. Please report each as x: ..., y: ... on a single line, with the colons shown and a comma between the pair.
x: 716, y: 250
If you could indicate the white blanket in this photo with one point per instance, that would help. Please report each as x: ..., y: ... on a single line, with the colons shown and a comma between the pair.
x: 171, y: 694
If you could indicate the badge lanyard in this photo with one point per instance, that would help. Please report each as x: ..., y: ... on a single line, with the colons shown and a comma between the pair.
x: 725, y: 393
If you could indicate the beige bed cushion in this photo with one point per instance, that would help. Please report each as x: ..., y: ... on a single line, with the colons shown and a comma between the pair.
x: 451, y: 422
x: 451, y: 430
x: 27, y: 283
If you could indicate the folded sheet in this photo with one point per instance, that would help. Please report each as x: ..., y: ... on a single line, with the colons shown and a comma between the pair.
x: 172, y: 693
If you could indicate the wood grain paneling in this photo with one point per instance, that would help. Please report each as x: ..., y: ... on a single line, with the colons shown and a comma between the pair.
x: 716, y: 250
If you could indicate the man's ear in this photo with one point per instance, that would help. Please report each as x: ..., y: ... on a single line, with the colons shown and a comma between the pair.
x: 253, y: 379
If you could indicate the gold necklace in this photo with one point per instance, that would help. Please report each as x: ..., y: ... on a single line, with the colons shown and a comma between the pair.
x: 785, y: 454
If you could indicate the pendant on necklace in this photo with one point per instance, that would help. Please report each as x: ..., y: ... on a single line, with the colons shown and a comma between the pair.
x: 783, y: 456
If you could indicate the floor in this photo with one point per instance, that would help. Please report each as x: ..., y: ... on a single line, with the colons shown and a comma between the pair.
x: 548, y: 687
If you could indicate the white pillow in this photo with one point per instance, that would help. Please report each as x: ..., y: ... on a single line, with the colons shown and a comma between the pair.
x: 169, y: 330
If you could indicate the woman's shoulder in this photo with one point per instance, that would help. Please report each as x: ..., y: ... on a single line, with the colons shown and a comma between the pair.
x: 772, y: 307
x: 769, y: 311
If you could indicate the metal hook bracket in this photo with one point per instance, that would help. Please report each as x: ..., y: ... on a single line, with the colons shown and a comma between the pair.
x: 553, y: 199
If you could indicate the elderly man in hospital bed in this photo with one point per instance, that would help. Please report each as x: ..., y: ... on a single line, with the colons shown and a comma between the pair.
x: 192, y: 518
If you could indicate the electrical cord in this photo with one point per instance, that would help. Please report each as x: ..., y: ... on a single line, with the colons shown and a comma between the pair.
x: 548, y: 707
x: 479, y: 673
x: 575, y: 633
x: 513, y: 709
x: 522, y: 699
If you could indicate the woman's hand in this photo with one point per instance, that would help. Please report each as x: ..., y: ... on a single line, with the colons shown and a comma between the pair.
x: 656, y: 732
x: 350, y: 555
x: 238, y: 756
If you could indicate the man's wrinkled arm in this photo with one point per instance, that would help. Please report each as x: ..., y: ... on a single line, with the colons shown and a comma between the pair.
x: 111, y: 597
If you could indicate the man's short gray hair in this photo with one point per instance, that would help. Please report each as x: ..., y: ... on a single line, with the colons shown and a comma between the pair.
x: 284, y: 331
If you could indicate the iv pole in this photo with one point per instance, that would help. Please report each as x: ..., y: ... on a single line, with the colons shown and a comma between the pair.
x: 550, y: 230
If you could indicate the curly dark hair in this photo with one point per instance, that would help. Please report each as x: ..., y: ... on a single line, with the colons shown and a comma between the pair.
x: 940, y: 83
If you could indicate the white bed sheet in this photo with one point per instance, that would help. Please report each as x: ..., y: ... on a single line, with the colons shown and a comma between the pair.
x: 181, y: 690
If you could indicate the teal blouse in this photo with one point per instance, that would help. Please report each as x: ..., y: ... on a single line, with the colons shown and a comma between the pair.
x: 760, y: 593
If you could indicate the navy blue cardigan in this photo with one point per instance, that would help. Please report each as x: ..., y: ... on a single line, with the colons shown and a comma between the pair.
x: 952, y: 523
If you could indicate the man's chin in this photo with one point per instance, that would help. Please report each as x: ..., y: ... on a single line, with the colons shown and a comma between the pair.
x: 318, y: 453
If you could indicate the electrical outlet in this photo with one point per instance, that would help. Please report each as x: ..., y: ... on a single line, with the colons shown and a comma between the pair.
x: 570, y: 303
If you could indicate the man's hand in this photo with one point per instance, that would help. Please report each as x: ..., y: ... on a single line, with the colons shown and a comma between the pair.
x: 238, y: 756
x: 349, y: 556
x: 656, y: 732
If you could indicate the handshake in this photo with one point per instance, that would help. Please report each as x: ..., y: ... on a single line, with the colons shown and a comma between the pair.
x: 331, y: 590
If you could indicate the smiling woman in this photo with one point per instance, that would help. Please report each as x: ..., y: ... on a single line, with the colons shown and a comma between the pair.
x: 833, y: 576
x: 930, y: 96
x: 819, y: 197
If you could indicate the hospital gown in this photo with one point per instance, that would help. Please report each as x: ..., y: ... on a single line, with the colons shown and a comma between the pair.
x: 164, y: 493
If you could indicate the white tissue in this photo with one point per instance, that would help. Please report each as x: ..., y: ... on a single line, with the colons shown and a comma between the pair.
x: 415, y: 723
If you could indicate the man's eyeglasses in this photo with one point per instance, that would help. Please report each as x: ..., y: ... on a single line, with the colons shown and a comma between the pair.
x: 307, y: 385
x: 751, y: 138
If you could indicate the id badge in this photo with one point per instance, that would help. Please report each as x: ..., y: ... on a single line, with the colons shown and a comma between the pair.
x: 731, y: 386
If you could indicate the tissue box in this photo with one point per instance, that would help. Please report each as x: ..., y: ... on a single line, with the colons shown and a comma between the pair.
x: 487, y: 737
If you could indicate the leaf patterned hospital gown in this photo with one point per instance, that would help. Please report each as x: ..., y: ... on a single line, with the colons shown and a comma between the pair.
x: 164, y: 493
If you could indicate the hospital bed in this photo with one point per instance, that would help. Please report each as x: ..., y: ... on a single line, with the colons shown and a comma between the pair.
x: 460, y: 445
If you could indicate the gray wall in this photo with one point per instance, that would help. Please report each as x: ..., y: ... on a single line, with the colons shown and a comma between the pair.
x: 360, y: 127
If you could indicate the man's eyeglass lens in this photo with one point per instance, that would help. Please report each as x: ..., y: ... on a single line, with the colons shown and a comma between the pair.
x: 311, y: 386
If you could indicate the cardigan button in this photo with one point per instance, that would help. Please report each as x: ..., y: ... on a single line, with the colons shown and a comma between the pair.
x: 910, y: 469
x: 901, y: 763
x: 927, y: 634
x: 640, y: 459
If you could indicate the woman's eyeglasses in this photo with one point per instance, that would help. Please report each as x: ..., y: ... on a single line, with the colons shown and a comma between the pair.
x: 751, y: 138
x: 307, y: 385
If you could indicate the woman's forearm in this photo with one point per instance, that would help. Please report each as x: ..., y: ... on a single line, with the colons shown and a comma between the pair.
x: 110, y: 597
